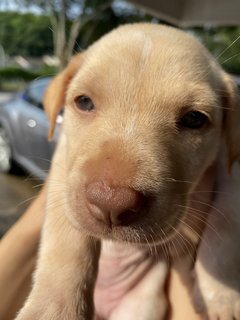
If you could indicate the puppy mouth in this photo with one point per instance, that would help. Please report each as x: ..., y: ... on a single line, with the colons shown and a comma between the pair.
x: 126, y: 214
x: 146, y: 226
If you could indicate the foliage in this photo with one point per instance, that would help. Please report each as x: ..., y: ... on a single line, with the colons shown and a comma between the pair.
x: 110, y: 18
x: 64, y: 26
x: 11, y: 73
x: 60, y: 13
x: 224, y: 44
x: 25, y: 34
x: 57, y: 32
x: 15, y: 78
x: 82, y: 20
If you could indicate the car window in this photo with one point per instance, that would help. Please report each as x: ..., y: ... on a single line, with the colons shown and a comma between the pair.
x: 35, y: 92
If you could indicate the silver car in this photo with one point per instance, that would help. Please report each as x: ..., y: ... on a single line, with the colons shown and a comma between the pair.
x: 24, y: 130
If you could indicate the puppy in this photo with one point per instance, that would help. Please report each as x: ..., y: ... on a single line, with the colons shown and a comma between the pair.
x: 151, y: 127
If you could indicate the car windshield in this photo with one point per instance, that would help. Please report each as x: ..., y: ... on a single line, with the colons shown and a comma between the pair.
x: 35, y: 92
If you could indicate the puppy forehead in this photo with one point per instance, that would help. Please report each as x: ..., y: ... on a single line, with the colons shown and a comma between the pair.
x: 148, y: 62
x: 156, y: 45
x: 161, y: 52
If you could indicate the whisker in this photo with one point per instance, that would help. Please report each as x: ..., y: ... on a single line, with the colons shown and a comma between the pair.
x: 163, y: 245
x: 78, y: 46
x: 201, y: 211
x: 199, y: 218
x: 214, y: 208
x: 203, y: 191
x: 136, y: 236
x: 147, y: 242
x: 38, y: 185
x: 184, y: 242
x: 230, y: 58
x: 26, y: 200
x: 228, y: 47
x: 175, y: 180
x: 172, y: 244
x: 153, y: 243
x: 194, y: 231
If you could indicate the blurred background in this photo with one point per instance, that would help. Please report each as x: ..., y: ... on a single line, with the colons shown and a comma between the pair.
x: 38, y: 38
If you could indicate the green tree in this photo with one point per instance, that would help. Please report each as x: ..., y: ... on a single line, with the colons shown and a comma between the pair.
x: 114, y: 16
x: 82, y: 20
x: 25, y: 34
x: 67, y: 18
x: 32, y: 35
x: 224, y: 44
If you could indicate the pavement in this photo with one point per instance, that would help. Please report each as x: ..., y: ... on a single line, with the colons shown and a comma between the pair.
x: 16, y: 191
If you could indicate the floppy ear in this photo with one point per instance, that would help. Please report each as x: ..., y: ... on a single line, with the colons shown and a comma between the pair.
x: 231, y: 119
x: 54, y: 98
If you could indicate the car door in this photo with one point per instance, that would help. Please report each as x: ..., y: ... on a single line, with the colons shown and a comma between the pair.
x: 35, y: 126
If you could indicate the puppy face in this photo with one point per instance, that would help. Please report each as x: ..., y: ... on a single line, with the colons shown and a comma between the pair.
x: 143, y: 122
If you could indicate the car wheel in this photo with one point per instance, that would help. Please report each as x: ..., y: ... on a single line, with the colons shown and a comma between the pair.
x: 5, y: 152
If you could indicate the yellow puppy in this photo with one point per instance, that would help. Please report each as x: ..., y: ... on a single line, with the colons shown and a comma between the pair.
x: 148, y: 116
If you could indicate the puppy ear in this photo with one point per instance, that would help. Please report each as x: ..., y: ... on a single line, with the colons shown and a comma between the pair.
x: 231, y: 107
x: 54, y: 98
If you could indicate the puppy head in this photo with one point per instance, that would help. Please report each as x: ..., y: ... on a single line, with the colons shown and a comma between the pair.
x: 146, y: 108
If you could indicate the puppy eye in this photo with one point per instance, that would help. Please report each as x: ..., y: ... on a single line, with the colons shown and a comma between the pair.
x: 84, y: 103
x: 193, y: 120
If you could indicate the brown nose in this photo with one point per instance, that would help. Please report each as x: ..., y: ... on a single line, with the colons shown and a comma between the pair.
x: 113, y: 204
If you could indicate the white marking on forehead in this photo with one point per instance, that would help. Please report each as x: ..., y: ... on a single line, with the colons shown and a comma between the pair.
x: 145, y: 42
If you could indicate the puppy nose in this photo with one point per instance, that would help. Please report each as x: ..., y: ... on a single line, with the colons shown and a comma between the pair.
x: 113, y: 205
